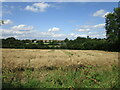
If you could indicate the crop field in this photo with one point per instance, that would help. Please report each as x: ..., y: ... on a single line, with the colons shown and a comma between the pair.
x: 50, y: 68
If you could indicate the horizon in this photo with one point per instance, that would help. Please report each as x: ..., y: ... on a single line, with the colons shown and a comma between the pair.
x: 55, y: 20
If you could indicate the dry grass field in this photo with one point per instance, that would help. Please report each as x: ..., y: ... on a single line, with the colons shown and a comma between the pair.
x: 23, y: 68
x: 36, y: 58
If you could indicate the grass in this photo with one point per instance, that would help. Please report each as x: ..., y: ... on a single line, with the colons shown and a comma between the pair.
x: 75, y: 76
x: 68, y: 53
x: 53, y: 69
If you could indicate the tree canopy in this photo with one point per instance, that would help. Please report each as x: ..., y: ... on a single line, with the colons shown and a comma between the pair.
x: 113, y: 28
x: 113, y: 25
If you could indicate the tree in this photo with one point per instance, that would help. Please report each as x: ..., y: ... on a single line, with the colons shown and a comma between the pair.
x: 66, y: 40
x: 113, y: 25
x: 26, y: 41
x: 11, y: 42
x: 1, y: 22
x: 88, y: 37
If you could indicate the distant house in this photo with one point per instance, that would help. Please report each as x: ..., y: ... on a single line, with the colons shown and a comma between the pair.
x: 46, y: 41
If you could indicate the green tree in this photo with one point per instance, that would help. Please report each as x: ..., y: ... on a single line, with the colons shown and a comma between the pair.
x: 113, y: 25
x: 113, y: 29
x: 2, y: 22
x: 66, y: 40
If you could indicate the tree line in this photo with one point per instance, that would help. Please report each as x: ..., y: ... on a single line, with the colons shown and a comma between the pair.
x: 110, y: 43
x: 79, y: 43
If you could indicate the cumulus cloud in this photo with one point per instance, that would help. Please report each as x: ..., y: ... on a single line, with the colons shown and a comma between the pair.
x: 73, y: 35
x: 86, y: 28
x: 37, y: 7
x: 18, y: 34
x: 99, y: 26
x: 22, y: 27
x: 100, y: 13
x: 18, y: 31
x: 24, y: 31
x: 54, y: 29
x: 27, y: 32
x: 58, y: 35
x: 99, y: 34
x: 83, y: 30
x: 94, y: 31
x: 34, y: 34
x: 10, y: 32
x: 51, y: 34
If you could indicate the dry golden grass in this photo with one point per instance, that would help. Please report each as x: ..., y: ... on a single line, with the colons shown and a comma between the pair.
x: 36, y: 58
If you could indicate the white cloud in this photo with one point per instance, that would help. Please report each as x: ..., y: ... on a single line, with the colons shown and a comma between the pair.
x: 54, y: 29
x: 91, y: 33
x: 31, y: 8
x: 105, y: 14
x: 86, y: 28
x: 100, y: 13
x: 94, y: 31
x: 98, y: 36
x: 51, y: 34
x: 73, y: 35
x: 38, y: 7
x: 27, y: 32
x: 23, y: 31
x: 22, y: 27
x: 83, y: 30
x: 57, y: 35
x: 34, y: 34
x: 19, y: 31
x: 99, y: 26
x: 10, y: 32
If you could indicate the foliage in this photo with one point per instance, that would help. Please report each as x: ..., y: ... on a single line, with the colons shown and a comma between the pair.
x: 64, y: 77
x: 113, y: 28
x: 78, y: 44
x: 113, y: 25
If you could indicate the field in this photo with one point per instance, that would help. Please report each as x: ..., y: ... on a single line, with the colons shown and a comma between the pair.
x: 40, y: 68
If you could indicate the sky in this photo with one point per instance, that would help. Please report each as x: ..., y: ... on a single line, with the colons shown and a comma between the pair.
x: 55, y: 20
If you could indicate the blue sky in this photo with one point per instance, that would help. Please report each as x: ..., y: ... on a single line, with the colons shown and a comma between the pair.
x: 55, y: 20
